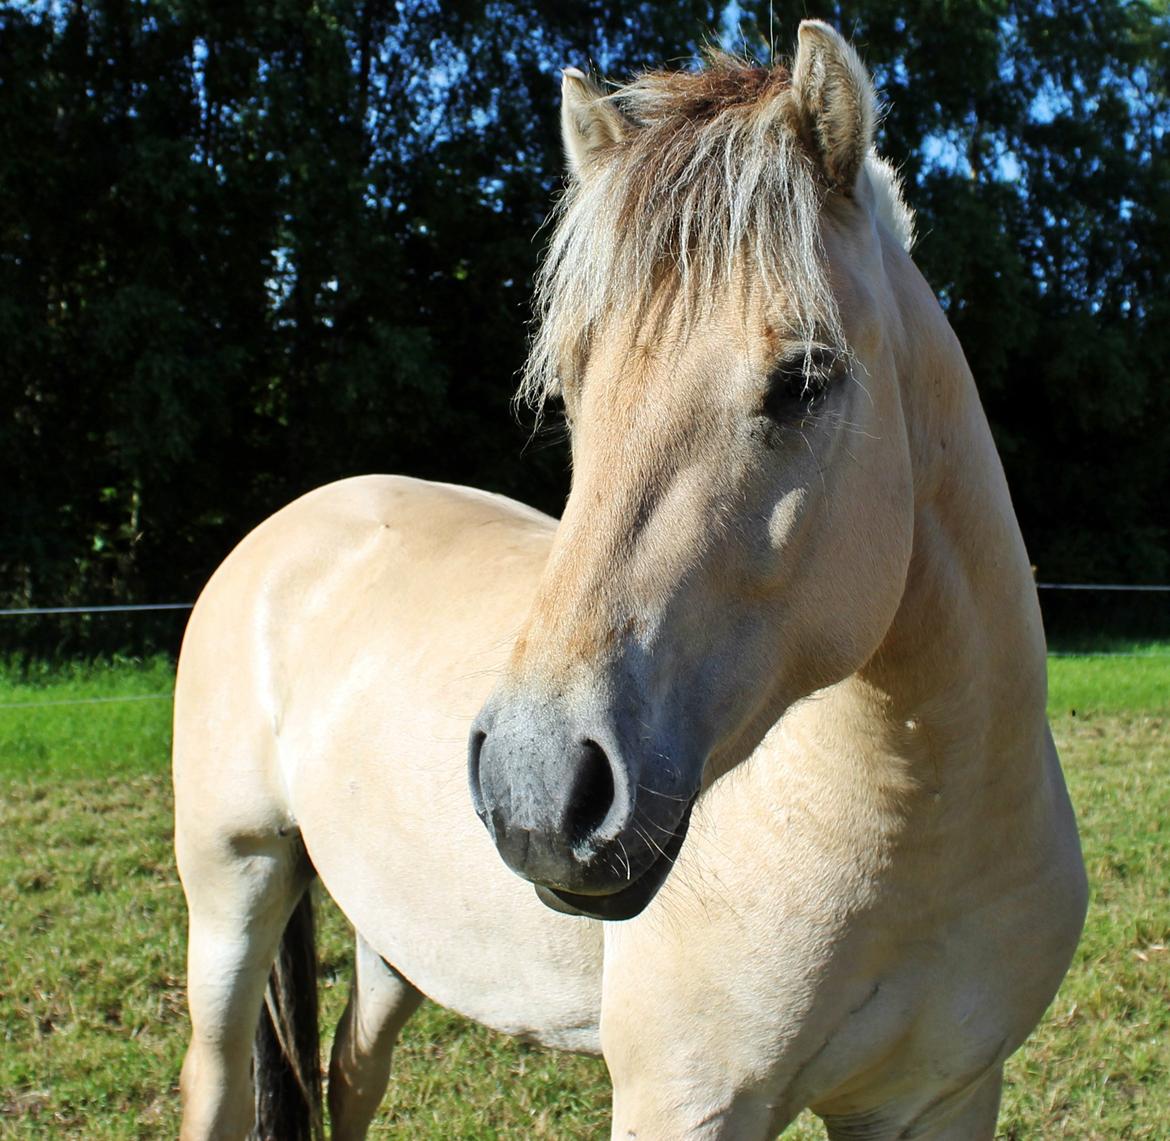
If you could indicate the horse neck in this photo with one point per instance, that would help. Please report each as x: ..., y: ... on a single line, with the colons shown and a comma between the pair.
x: 963, y: 663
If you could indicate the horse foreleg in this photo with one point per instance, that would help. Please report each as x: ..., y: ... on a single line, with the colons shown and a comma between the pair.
x: 966, y: 1114
x: 972, y: 1118
x: 667, y: 1111
x: 238, y: 904
x: 380, y: 1003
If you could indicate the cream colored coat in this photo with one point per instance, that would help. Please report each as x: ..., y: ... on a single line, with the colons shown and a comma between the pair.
x: 881, y: 887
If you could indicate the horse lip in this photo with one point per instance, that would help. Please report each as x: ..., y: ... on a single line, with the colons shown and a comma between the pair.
x: 627, y: 901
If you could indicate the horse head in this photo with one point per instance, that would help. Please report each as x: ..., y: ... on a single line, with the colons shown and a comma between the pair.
x: 716, y: 315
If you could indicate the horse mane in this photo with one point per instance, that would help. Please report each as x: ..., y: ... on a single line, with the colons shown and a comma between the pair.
x: 711, y: 171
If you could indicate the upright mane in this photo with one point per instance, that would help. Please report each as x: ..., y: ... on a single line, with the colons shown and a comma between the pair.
x: 710, y: 171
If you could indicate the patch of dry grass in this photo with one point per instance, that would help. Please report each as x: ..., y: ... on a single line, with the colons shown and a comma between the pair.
x: 91, y: 993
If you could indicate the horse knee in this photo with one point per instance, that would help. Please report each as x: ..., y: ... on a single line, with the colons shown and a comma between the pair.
x: 664, y: 1110
x: 966, y: 1114
x: 212, y: 1108
x: 970, y: 1115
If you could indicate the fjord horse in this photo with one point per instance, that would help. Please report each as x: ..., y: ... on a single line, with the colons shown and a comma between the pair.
x: 762, y: 717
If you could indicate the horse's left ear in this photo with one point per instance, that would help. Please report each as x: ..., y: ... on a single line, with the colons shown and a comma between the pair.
x: 835, y: 102
x: 590, y: 124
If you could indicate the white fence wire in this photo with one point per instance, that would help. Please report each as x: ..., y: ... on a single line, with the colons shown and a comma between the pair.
x: 44, y: 611
x: 36, y: 611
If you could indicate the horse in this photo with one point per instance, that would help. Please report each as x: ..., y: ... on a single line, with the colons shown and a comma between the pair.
x: 769, y: 812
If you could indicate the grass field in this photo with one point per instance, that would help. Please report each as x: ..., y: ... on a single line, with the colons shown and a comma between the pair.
x: 92, y: 926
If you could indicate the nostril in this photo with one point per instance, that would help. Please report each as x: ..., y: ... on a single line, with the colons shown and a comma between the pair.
x: 474, y: 752
x: 592, y: 793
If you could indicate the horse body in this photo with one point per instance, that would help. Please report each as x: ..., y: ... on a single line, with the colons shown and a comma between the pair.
x: 805, y: 639
x: 455, y: 569
x: 365, y: 707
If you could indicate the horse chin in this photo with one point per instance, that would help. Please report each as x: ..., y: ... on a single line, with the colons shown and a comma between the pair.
x: 628, y: 901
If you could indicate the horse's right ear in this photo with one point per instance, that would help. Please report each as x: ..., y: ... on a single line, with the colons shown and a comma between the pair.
x: 835, y: 102
x: 590, y: 124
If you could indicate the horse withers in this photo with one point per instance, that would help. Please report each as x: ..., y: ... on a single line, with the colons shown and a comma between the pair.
x: 769, y: 698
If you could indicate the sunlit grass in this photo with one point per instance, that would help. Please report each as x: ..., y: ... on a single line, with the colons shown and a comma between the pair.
x: 1135, y: 677
x: 86, y: 718
x: 93, y: 926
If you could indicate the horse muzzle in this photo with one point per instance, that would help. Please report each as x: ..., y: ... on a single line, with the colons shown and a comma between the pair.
x: 594, y: 830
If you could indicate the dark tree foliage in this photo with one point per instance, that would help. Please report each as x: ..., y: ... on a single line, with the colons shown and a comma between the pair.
x: 249, y: 248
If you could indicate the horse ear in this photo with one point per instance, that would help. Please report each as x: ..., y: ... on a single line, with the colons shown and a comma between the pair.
x: 590, y: 124
x: 835, y: 101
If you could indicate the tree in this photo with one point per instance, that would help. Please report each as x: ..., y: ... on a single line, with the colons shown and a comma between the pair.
x: 246, y: 249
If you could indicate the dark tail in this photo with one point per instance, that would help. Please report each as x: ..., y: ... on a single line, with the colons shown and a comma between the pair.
x: 286, y: 1054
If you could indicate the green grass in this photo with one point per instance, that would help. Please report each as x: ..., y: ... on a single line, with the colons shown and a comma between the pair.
x: 1133, y: 677
x: 93, y: 926
x: 75, y: 720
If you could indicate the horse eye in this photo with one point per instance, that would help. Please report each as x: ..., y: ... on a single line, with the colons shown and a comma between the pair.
x: 796, y: 382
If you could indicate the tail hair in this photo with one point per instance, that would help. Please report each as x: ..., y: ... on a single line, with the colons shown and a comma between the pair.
x: 286, y: 1065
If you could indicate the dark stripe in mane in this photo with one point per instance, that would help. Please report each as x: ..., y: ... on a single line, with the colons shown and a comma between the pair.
x: 725, y: 84
x: 704, y: 177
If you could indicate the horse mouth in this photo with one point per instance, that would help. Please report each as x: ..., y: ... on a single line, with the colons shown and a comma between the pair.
x: 627, y: 901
